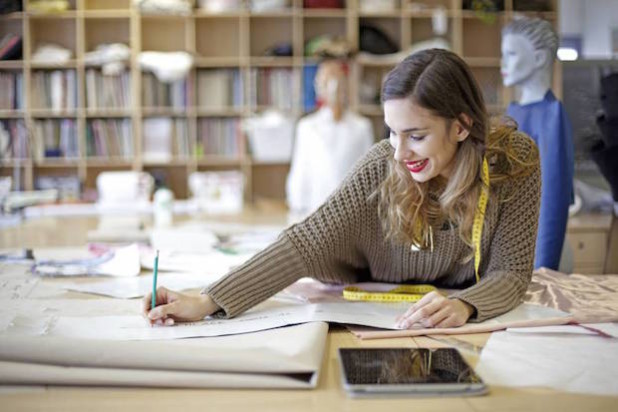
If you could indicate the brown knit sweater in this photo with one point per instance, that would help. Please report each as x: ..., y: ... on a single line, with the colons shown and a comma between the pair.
x: 343, y: 242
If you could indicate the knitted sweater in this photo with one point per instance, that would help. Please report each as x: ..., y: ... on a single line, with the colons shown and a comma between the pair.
x: 343, y: 242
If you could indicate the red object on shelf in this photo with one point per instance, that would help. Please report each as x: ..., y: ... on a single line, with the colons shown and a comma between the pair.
x: 323, y: 4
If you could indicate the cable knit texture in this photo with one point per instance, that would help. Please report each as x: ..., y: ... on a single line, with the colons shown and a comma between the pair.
x: 343, y: 242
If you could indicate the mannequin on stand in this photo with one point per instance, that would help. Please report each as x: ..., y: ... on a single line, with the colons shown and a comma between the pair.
x: 529, y: 47
x: 328, y: 142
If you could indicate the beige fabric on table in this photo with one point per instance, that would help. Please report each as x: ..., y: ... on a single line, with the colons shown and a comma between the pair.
x: 589, y: 298
x: 343, y: 242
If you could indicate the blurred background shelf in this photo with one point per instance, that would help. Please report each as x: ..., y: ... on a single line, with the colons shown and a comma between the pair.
x: 245, y: 52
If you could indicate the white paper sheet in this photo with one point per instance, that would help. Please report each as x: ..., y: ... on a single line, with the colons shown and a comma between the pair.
x: 127, y: 229
x: 213, y: 263
x: 136, y: 328
x: 574, y: 363
x: 587, y: 329
x: 523, y: 315
x: 123, y: 262
x: 12, y: 288
x: 136, y: 287
x: 184, y: 240
x: 375, y: 315
x: 6, y: 319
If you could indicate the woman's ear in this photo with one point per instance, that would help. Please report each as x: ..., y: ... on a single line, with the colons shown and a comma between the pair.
x: 462, y: 127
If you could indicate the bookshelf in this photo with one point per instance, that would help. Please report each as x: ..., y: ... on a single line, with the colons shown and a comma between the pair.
x: 98, y: 122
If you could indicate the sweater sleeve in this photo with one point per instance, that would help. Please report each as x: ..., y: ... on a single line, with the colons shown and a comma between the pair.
x: 509, y: 264
x: 323, y: 246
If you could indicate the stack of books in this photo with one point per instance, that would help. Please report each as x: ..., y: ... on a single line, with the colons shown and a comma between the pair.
x: 55, y: 89
x: 182, y: 146
x: 104, y: 92
x: 109, y: 138
x: 11, y: 47
x: 219, y: 89
x: 18, y: 147
x: 272, y: 87
x: 158, y: 94
x: 55, y: 138
x: 11, y: 84
x: 219, y: 136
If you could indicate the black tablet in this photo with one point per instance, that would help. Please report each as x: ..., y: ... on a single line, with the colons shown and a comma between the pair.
x: 408, y: 371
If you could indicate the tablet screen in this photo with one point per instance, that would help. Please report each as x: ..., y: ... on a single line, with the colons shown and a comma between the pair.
x: 405, y: 366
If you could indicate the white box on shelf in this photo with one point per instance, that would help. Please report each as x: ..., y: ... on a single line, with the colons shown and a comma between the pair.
x: 157, y: 139
x: 270, y: 137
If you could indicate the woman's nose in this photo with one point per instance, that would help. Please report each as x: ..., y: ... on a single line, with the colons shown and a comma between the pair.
x: 401, y: 151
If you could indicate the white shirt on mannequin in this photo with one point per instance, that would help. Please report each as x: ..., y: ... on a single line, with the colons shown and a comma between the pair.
x: 324, y: 152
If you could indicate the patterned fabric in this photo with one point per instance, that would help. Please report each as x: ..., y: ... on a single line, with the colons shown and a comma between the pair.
x: 589, y: 298
x: 343, y: 242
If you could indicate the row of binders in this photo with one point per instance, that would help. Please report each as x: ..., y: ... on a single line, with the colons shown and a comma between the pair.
x: 55, y: 139
x: 11, y: 86
x: 109, y: 139
x: 164, y: 139
x: 55, y: 90
x: 221, y: 137
x: 14, y: 141
x: 215, y: 89
x: 104, y: 91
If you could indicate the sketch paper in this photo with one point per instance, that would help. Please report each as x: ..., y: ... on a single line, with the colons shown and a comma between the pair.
x: 136, y: 287
x: 12, y: 288
x: 588, y: 329
x: 136, y: 327
x: 571, y: 363
x: 523, y: 315
x: 375, y: 315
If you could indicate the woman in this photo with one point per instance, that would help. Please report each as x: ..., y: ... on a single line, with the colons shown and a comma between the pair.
x: 405, y: 214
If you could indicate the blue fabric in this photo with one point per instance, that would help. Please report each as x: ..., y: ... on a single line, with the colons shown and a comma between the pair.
x: 548, y: 124
x: 309, y: 72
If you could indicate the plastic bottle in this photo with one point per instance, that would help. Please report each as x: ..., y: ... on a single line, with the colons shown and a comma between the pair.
x: 163, y: 203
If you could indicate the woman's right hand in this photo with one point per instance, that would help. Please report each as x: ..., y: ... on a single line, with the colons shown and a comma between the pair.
x: 174, y: 307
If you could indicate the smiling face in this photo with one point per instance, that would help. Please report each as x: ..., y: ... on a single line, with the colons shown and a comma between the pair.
x: 424, y: 143
x: 519, y: 59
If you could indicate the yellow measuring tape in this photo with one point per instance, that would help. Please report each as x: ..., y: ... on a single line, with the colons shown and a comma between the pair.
x: 413, y: 293
x: 479, y: 218
x: 403, y: 293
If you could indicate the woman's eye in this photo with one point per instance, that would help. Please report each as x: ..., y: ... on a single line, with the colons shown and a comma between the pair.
x: 417, y: 138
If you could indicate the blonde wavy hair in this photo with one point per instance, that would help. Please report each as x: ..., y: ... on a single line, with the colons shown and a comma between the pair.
x: 440, y: 81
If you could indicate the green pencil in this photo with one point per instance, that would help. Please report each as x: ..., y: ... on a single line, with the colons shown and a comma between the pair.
x: 154, y: 281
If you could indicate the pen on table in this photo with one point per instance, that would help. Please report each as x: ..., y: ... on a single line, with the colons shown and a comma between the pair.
x: 154, y: 281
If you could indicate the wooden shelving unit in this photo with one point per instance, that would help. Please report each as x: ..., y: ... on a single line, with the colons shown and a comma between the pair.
x: 235, y: 40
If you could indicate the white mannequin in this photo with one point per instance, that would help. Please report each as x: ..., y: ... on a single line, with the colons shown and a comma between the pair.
x: 526, y: 65
x: 328, y: 143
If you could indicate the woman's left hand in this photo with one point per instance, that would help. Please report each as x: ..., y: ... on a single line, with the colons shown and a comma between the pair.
x: 436, y: 311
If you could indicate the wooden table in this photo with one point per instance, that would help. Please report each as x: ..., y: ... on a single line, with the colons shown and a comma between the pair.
x: 328, y: 396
